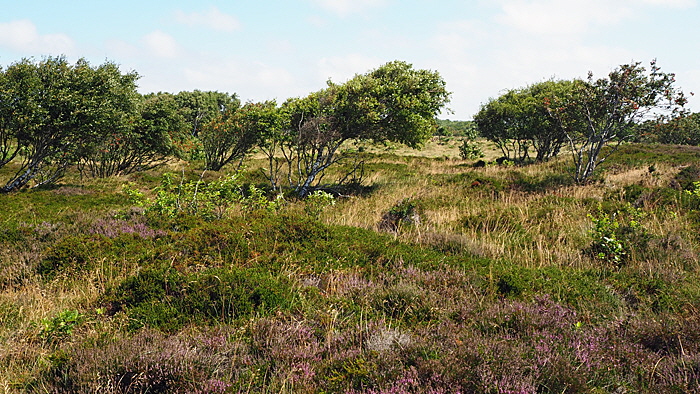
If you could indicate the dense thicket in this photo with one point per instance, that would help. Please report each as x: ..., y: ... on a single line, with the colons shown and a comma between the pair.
x: 518, y: 121
x: 583, y: 115
x: 52, y: 113
x: 392, y: 103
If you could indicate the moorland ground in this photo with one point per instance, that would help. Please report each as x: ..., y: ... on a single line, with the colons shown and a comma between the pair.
x: 433, y: 276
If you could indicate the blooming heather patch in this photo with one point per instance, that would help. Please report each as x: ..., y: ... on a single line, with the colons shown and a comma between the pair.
x: 112, y: 228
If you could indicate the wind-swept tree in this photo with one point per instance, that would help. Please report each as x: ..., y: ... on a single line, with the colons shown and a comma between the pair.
x: 199, y: 107
x: 49, y: 111
x: 601, y: 113
x: 518, y: 122
x: 392, y: 103
x: 229, y: 136
x: 146, y: 140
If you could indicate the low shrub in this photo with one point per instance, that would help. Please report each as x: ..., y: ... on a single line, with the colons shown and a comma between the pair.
x: 148, y: 362
x: 404, y: 302
x: 686, y: 177
x: 619, y: 238
x: 404, y: 213
x: 72, y: 254
x: 168, y: 300
x: 59, y: 327
x: 470, y: 150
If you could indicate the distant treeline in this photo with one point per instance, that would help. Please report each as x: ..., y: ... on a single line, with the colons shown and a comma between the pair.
x: 456, y: 128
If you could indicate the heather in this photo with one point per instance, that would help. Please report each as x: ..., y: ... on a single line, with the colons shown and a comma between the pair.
x: 433, y: 275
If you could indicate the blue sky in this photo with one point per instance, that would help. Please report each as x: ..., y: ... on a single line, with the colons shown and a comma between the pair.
x: 279, y: 49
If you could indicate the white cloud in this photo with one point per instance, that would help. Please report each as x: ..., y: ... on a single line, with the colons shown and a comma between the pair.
x: 341, y: 68
x: 213, y: 19
x: 23, y: 36
x: 254, y: 81
x: 317, y: 21
x: 689, y: 81
x: 478, y: 61
x: 161, y: 44
x: 672, y: 3
x: 456, y: 38
x: 121, y: 49
x: 561, y: 17
x: 280, y: 47
x: 347, y: 7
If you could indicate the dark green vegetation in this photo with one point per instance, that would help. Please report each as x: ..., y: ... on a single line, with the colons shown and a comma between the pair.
x: 584, y: 116
x: 150, y: 288
x: 54, y: 115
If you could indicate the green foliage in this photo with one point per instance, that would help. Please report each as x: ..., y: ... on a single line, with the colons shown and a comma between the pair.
x: 156, y: 131
x: 221, y: 295
x: 457, y: 128
x: 518, y: 121
x: 694, y: 190
x: 50, y: 111
x: 71, y: 254
x: 167, y: 299
x: 200, y: 107
x: 470, y: 150
x: 681, y: 130
x: 602, y: 113
x: 267, y: 298
x: 606, y: 245
x: 230, y: 136
x: 687, y: 177
x: 208, y: 200
x: 618, y: 237
x: 316, y: 202
x: 61, y: 326
x: 257, y: 200
x: 392, y: 103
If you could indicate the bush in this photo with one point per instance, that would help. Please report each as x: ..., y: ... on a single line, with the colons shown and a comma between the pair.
x: 60, y: 326
x: 167, y: 299
x: 620, y: 237
x: 317, y: 201
x: 405, y: 212
x: 470, y: 150
x: 686, y: 178
x: 404, y: 302
x: 72, y: 254
x: 223, y: 296
x: 148, y: 362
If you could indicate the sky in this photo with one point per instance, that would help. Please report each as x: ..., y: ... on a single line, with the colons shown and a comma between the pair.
x: 277, y: 49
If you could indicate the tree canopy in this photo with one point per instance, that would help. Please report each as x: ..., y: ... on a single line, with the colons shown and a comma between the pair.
x: 199, y: 107
x: 229, y: 136
x: 518, y: 121
x: 391, y: 103
x: 50, y: 110
x: 681, y: 130
x: 604, y: 112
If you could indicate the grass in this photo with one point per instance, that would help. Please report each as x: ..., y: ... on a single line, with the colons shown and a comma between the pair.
x: 494, y: 279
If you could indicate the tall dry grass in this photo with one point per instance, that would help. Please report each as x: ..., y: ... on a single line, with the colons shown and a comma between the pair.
x: 530, y: 228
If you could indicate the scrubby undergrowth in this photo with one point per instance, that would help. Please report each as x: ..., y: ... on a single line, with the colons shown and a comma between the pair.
x: 439, y: 277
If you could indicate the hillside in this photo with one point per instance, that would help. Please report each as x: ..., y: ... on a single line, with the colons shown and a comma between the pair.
x: 434, y: 276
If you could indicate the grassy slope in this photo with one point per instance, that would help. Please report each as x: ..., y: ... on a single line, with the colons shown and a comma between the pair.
x: 494, y: 288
